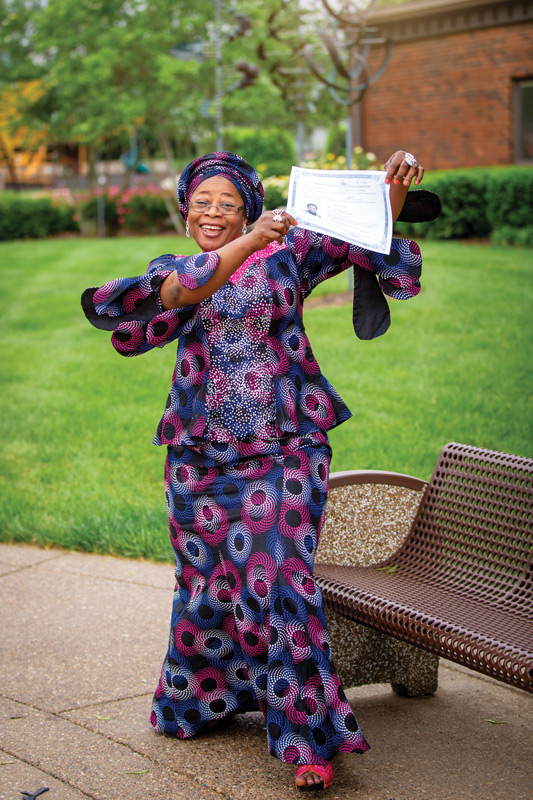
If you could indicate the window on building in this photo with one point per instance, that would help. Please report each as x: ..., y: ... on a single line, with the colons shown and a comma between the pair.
x: 524, y: 120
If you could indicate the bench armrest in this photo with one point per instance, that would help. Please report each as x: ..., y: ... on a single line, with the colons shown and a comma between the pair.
x: 360, y: 476
x: 368, y: 516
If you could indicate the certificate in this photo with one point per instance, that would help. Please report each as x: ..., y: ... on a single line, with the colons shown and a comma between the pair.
x: 351, y: 205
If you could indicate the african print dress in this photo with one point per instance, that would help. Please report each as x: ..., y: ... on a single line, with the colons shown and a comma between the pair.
x: 246, y: 482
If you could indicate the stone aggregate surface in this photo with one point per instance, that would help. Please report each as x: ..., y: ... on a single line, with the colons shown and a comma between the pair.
x: 81, y: 645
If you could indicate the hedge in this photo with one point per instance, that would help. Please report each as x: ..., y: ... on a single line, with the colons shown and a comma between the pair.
x: 137, y: 209
x: 483, y: 202
x: 476, y: 202
x: 33, y: 217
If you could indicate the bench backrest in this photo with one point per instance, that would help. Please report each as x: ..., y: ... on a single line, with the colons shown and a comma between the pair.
x: 473, y: 527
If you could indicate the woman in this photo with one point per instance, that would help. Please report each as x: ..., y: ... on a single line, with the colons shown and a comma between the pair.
x: 248, y: 457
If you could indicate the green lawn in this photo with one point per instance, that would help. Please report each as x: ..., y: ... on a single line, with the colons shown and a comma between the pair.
x: 77, y: 419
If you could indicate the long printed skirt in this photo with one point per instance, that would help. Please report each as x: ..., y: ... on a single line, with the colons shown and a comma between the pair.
x: 248, y: 630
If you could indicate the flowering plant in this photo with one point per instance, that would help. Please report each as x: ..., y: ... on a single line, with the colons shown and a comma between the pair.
x: 360, y: 160
x: 277, y: 186
x: 136, y: 209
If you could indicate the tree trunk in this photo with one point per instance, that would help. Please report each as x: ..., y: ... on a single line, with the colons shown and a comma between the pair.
x: 168, y: 154
x: 5, y: 147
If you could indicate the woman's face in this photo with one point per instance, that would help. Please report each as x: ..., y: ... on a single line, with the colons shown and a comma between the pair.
x: 210, y: 228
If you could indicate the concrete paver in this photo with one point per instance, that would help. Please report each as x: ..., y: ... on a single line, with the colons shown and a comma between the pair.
x: 144, y: 573
x: 93, y: 764
x: 101, y: 636
x: 16, y: 773
x: 83, y: 638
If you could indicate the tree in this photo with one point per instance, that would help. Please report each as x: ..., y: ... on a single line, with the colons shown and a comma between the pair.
x: 106, y: 68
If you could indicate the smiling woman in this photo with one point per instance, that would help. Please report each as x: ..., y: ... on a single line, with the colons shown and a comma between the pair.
x: 215, y: 213
x: 248, y: 457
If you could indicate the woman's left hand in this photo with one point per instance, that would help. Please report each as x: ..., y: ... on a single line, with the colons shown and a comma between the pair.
x: 402, y: 167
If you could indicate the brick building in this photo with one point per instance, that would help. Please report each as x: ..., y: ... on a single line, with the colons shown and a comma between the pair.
x: 458, y: 89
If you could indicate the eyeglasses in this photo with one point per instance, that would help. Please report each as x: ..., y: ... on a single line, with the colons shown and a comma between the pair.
x: 224, y: 208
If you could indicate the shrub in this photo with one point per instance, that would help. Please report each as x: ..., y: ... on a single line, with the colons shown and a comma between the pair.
x: 336, y: 138
x: 27, y: 217
x: 463, y: 208
x: 143, y: 210
x: 476, y: 201
x: 269, y: 150
x: 517, y: 237
x: 360, y: 160
x: 525, y: 236
x: 276, y: 191
x: 88, y: 211
x: 138, y: 209
x: 510, y: 199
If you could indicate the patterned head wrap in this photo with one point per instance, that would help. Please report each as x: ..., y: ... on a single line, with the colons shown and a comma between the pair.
x: 230, y: 166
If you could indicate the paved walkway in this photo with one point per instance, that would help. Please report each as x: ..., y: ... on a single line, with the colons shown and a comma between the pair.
x: 82, y: 638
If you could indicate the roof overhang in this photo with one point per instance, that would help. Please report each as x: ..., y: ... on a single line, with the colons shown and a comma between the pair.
x: 429, y: 18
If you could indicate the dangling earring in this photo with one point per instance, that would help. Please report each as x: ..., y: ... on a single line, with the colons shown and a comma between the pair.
x: 187, y: 231
x: 244, y: 229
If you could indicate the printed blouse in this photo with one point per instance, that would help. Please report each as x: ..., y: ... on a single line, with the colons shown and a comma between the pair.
x: 244, y: 368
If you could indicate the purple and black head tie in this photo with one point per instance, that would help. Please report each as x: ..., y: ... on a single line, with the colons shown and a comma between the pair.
x: 231, y: 166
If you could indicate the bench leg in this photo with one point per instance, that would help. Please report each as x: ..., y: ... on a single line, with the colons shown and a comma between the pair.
x: 364, y: 656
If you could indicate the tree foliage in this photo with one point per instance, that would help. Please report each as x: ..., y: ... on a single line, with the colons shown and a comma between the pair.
x: 108, y: 67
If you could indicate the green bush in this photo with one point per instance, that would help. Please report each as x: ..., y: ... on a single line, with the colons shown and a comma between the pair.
x: 463, y: 212
x: 514, y: 237
x: 138, y: 209
x: 32, y: 217
x: 88, y: 212
x: 476, y: 201
x: 269, y: 150
x: 143, y: 211
x: 276, y: 191
x: 510, y: 199
x: 525, y: 236
x: 336, y: 139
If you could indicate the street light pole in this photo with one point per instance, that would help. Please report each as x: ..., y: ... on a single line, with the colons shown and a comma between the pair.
x: 219, y: 91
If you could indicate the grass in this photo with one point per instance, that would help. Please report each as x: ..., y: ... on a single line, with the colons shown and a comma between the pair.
x: 77, y: 420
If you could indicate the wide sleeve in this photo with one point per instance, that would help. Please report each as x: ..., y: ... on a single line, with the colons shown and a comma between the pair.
x: 132, y: 308
x: 320, y: 257
x: 396, y: 274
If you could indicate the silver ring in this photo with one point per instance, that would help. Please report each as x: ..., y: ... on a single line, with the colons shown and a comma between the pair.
x: 276, y: 215
x: 411, y: 160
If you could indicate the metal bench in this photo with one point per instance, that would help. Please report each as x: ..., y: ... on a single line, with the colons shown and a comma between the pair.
x: 459, y: 583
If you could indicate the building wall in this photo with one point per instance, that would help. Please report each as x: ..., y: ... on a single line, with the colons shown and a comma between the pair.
x: 449, y: 99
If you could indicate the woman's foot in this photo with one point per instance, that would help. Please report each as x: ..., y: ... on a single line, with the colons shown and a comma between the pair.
x: 310, y: 777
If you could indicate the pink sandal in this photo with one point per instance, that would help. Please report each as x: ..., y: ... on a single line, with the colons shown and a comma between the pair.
x: 326, y: 772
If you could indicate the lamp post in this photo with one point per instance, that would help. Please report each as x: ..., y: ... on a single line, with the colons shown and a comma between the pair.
x: 219, y: 91
x: 100, y: 207
x: 199, y: 50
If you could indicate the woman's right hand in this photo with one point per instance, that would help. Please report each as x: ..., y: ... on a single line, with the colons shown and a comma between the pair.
x: 269, y: 228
